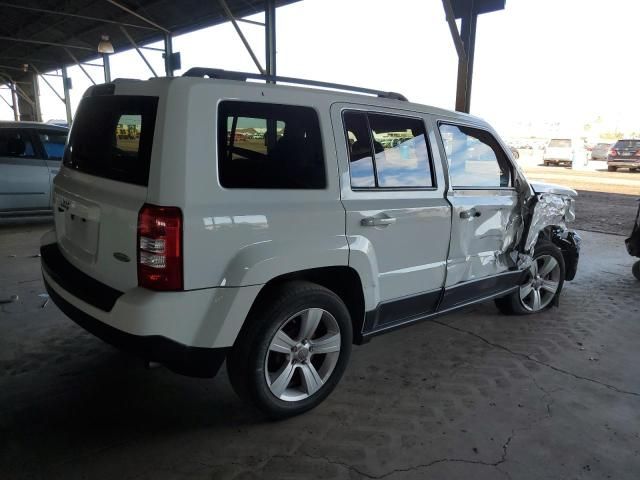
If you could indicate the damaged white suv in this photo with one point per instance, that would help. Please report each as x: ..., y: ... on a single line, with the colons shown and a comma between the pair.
x: 202, y: 219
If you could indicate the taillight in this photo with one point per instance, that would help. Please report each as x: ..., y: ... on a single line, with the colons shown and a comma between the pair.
x: 613, y: 152
x: 637, y: 154
x: 160, y: 248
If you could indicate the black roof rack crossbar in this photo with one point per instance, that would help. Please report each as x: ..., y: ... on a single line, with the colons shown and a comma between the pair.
x: 244, y: 76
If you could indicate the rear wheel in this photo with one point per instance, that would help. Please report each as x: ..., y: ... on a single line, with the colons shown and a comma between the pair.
x: 294, y: 350
x: 544, y: 282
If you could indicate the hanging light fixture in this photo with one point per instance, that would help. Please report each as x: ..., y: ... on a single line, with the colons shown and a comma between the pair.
x: 105, y: 45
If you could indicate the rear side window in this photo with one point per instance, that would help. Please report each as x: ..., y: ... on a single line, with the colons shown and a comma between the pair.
x: 387, y: 151
x: 53, y: 144
x: 271, y: 146
x: 627, y: 144
x: 112, y: 136
x: 476, y: 160
x: 15, y: 143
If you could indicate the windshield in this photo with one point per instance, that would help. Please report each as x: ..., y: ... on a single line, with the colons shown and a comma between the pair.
x: 560, y: 143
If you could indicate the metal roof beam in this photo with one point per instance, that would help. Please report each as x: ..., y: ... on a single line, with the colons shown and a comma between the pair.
x: 48, y: 84
x: 137, y: 15
x: 250, y: 22
x: 41, y: 42
x: 73, y: 15
x: 453, y: 27
x: 135, y: 45
x: 233, y: 21
x: 73, y: 57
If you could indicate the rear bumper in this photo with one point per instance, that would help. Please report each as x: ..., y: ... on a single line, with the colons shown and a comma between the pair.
x: 631, y: 163
x: 188, y: 331
x: 192, y: 361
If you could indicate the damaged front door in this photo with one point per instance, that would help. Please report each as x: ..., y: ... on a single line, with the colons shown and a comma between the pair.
x: 486, y: 215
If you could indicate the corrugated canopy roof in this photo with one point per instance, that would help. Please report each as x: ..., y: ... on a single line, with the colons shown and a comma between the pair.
x: 29, y: 22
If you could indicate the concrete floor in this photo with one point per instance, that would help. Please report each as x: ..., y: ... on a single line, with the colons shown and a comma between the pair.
x: 474, y: 395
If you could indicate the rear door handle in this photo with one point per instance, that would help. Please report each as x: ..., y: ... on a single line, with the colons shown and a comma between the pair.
x: 470, y: 213
x: 377, y: 221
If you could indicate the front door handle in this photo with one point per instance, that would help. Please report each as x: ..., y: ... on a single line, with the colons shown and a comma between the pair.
x: 377, y: 221
x: 470, y: 213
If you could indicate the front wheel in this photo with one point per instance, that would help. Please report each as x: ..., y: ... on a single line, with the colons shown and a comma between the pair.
x: 612, y: 169
x: 293, y: 351
x: 544, y: 282
x: 636, y: 270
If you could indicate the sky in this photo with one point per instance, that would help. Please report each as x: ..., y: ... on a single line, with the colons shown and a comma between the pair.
x: 537, y: 63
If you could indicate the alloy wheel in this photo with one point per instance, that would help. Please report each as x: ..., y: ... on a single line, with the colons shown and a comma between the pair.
x: 542, y: 285
x: 302, y: 355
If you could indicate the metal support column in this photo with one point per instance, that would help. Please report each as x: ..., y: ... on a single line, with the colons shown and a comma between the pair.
x: 14, y: 101
x: 168, y: 55
x: 66, y: 85
x: 270, y: 36
x: 106, y: 67
x: 35, y: 87
x: 465, y: 65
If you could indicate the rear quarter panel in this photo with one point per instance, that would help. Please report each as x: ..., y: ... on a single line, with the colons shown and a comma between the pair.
x: 240, y: 237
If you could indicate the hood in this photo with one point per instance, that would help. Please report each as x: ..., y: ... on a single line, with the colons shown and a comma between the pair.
x: 541, y: 187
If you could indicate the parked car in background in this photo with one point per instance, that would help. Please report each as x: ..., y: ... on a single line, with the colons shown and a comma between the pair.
x: 600, y: 151
x: 562, y: 151
x: 624, y: 154
x: 30, y: 156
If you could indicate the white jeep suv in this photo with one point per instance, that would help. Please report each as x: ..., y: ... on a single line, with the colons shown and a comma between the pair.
x: 273, y: 226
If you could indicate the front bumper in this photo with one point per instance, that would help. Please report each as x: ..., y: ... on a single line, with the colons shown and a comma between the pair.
x: 558, y: 160
x: 569, y: 243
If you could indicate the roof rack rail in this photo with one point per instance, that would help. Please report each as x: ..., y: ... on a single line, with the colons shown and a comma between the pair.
x: 244, y: 76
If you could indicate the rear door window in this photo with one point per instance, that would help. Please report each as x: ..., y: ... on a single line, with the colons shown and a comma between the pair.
x: 53, y: 144
x: 387, y: 151
x: 16, y: 143
x: 271, y: 146
x: 112, y: 137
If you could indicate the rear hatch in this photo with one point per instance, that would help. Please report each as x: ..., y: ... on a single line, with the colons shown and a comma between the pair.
x: 103, y: 185
x: 559, y: 149
x: 626, y: 150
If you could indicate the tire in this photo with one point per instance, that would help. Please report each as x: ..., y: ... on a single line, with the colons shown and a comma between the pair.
x: 611, y: 169
x: 636, y: 270
x: 286, y: 384
x: 546, y: 164
x: 523, y: 303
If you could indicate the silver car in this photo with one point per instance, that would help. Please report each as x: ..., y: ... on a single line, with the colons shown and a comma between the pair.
x: 30, y: 156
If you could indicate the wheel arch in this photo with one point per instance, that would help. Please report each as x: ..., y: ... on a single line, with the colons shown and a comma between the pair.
x: 569, y: 243
x: 342, y: 280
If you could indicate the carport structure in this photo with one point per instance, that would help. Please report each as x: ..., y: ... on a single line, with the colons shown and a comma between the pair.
x: 42, y: 39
